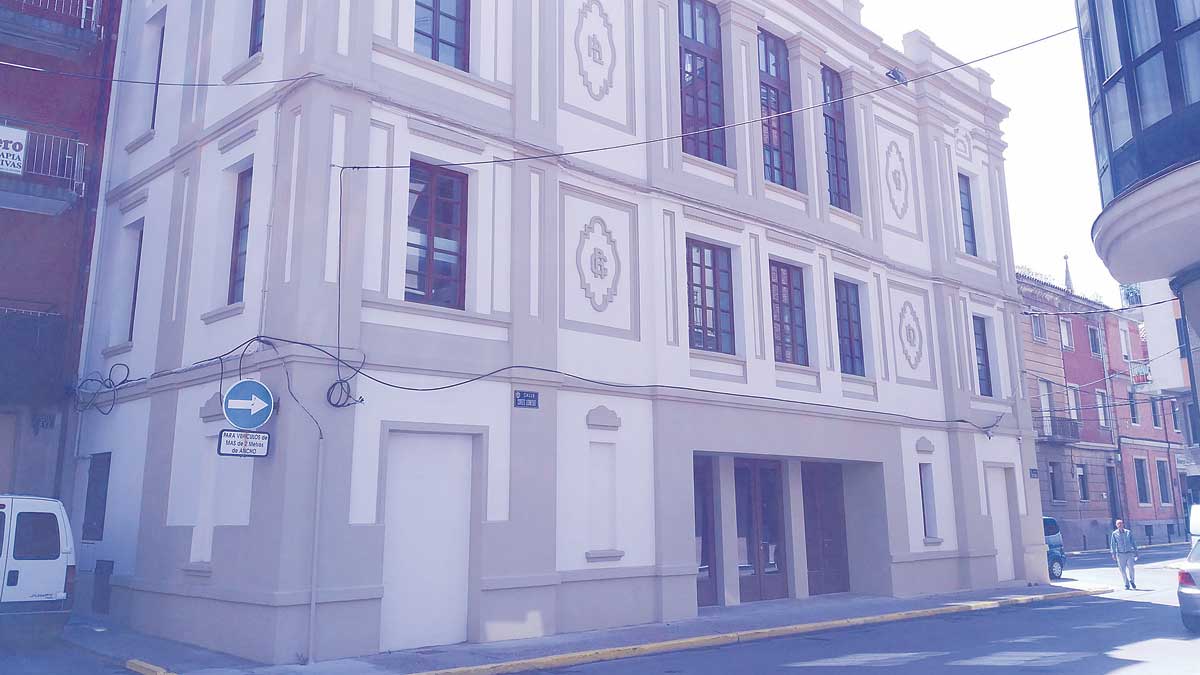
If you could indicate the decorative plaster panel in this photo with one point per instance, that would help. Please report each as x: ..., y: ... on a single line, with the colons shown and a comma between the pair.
x: 898, y: 180
x: 596, y: 48
x: 599, y: 264
x: 911, y: 335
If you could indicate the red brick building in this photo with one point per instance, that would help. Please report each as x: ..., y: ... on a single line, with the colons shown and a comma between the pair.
x: 1107, y: 442
x: 57, y: 59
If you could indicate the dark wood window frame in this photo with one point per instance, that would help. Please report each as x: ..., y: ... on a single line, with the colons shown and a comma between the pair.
x: 967, y: 206
x: 1134, y: 418
x: 983, y: 357
x: 456, y: 47
x: 241, y: 237
x: 258, y: 18
x: 1142, y: 480
x: 96, y: 501
x: 1081, y: 477
x: 1056, y: 481
x: 1156, y: 412
x: 851, y: 350
x: 1095, y: 344
x: 1165, y: 491
x: 710, y: 297
x: 836, y: 152
x: 774, y: 92
x: 701, y: 81
x: 137, y: 275
x: 437, y: 235
x: 789, y: 323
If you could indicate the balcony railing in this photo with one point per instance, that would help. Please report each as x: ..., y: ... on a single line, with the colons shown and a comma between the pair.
x: 51, y: 158
x: 1139, y: 372
x: 82, y: 13
x: 1059, y: 428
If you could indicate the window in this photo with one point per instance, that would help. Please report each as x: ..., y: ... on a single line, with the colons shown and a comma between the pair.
x: 1193, y: 418
x: 1120, y: 128
x: 1102, y: 408
x: 774, y: 92
x: 1133, y: 409
x: 1050, y: 527
x: 1081, y: 474
x: 1188, y: 11
x: 241, y: 237
x: 36, y: 536
x: 1189, y: 66
x: 162, y: 38
x: 137, y: 273
x: 1156, y: 412
x: 1175, y: 416
x: 928, y: 508
x: 1064, y: 330
x: 1039, y: 327
x: 849, y: 322
x: 836, y: 156
x: 983, y: 365
x: 1073, y: 402
x: 1089, y: 55
x: 1046, y: 402
x: 443, y: 32
x: 1154, y: 100
x: 1126, y: 345
x: 96, y: 502
x: 1164, y: 481
x: 787, y: 314
x: 710, y: 297
x: 1143, y: 481
x: 437, y: 237
x: 1181, y: 332
x: 1056, y: 481
x: 1109, y: 51
x: 258, y: 16
x: 701, y: 80
x: 968, y: 215
x: 1142, y: 16
x: 1094, y: 340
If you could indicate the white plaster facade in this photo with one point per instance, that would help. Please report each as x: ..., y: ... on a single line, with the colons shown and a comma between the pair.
x: 578, y: 514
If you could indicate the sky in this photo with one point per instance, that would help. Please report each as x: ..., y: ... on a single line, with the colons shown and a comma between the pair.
x: 1053, y: 194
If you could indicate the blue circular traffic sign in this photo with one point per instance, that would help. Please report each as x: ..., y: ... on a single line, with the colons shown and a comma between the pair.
x: 248, y: 404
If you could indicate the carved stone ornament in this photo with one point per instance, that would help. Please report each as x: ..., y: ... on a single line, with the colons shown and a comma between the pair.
x: 896, y: 176
x: 912, y: 338
x: 962, y: 142
x: 595, y: 49
x: 598, y: 263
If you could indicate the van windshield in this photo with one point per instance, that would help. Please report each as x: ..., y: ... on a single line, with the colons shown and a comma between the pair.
x: 1195, y: 555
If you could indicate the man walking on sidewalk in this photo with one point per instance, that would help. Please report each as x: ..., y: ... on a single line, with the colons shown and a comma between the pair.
x: 1124, y: 552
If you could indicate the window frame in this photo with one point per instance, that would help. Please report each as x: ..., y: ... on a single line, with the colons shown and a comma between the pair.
x: 434, y: 175
x: 983, y: 359
x: 1073, y: 404
x: 1141, y: 479
x: 797, y: 322
x: 241, y: 228
x: 778, y: 137
x: 1066, y: 336
x: 837, y: 150
x: 1156, y: 412
x: 1134, y: 415
x: 1036, y: 319
x: 722, y: 343
x: 17, y: 552
x: 966, y: 206
x: 1102, y: 409
x: 1166, y: 492
x: 137, y: 274
x: 1081, y: 479
x: 435, y: 38
x: 852, y: 354
x: 1095, y: 343
x: 162, y: 39
x: 258, y: 20
x: 926, y: 482
x: 1057, y: 486
x: 95, y: 504
x: 1175, y: 424
x: 712, y: 146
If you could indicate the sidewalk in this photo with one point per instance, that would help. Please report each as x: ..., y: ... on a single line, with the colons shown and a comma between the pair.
x: 714, y: 626
x: 1092, y: 551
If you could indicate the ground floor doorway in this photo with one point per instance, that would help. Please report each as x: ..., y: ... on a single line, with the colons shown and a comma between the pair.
x: 825, y: 528
x: 761, y: 543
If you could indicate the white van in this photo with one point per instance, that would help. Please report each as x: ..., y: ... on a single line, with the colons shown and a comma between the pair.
x: 37, y: 567
x: 1194, y: 523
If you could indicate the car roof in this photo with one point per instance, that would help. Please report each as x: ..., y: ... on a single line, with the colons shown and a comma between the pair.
x: 30, y: 498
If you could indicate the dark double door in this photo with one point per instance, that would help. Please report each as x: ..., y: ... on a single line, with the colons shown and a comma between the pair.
x: 761, y: 543
x: 825, y: 528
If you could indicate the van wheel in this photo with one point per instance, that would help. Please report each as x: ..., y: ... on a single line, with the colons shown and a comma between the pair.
x: 1192, y: 623
x: 1056, y: 569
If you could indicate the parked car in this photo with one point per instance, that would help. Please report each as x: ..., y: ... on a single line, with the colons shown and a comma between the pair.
x: 1056, y: 557
x: 37, y: 565
x: 1189, y: 593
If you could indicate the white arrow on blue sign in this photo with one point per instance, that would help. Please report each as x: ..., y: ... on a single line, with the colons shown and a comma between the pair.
x: 249, y: 404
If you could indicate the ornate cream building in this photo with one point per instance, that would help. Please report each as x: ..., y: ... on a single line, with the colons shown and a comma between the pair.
x: 775, y: 360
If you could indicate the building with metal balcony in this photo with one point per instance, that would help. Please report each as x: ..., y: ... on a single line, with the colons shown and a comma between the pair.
x: 56, y: 58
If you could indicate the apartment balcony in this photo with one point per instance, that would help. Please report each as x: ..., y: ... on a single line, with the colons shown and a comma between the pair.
x: 1059, y: 430
x: 1139, y: 372
x: 68, y: 29
x: 32, y: 354
x: 40, y: 172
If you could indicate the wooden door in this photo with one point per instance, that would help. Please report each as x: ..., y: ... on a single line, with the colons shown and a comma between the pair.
x: 706, y: 572
x: 825, y: 528
x: 762, y: 547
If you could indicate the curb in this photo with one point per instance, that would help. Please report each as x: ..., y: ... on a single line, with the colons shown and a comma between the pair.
x: 143, y: 668
x: 1105, y: 550
x: 716, y: 640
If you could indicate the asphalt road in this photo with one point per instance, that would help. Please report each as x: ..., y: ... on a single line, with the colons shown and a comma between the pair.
x: 1126, y: 631
x: 59, y: 658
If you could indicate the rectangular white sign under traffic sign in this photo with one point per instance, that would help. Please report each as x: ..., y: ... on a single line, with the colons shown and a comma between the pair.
x: 235, y: 443
x: 12, y: 149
